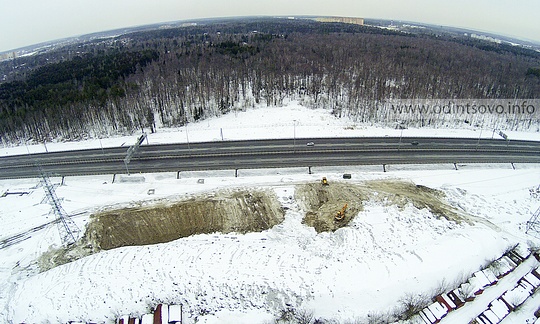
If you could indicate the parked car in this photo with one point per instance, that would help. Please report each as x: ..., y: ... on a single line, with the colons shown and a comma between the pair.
x: 310, y: 144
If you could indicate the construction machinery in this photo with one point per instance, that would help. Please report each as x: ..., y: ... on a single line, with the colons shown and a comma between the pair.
x: 340, y: 215
x: 324, y: 181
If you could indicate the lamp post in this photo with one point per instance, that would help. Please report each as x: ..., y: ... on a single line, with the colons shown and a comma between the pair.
x: 478, y: 142
x: 400, y: 136
x: 101, y: 145
x: 187, y: 135
x: 127, y: 169
x: 294, y: 135
x: 480, y: 136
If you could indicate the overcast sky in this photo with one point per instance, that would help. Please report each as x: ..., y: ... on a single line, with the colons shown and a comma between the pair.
x: 27, y: 22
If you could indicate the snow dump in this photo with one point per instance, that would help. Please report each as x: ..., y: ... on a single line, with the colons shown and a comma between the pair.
x: 239, y: 211
x: 323, y: 202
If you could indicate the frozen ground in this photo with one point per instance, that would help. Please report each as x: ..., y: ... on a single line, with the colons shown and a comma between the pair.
x: 366, y: 268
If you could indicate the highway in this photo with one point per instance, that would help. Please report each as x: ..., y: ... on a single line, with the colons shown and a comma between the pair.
x: 272, y: 154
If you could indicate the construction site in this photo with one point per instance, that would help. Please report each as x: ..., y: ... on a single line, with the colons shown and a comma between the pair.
x: 328, y: 205
x: 264, y: 247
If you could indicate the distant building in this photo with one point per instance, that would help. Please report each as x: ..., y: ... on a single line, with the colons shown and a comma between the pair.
x: 7, y: 56
x: 486, y: 38
x: 345, y: 20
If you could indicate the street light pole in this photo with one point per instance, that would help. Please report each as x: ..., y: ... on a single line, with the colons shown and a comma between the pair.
x: 480, y: 136
x: 294, y: 135
x: 127, y: 169
x: 101, y: 144
x: 187, y: 137
x: 400, y: 135
x: 478, y: 142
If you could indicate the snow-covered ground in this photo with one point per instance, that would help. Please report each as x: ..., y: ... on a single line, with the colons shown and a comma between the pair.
x: 365, y: 268
x: 267, y: 123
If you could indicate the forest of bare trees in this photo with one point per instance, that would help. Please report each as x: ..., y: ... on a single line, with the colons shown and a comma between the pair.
x: 175, y: 76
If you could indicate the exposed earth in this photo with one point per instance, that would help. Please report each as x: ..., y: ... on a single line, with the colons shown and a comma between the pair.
x: 323, y: 202
x: 238, y: 211
x: 241, y: 211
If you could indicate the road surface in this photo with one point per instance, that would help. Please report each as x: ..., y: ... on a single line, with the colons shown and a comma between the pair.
x: 272, y: 154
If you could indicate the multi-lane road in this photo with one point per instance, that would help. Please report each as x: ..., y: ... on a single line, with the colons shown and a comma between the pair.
x: 272, y: 154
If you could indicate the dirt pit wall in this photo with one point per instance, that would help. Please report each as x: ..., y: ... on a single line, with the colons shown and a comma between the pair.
x: 242, y: 211
x: 225, y: 212
x: 322, y: 202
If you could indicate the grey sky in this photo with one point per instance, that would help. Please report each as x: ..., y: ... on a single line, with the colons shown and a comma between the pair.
x: 26, y: 22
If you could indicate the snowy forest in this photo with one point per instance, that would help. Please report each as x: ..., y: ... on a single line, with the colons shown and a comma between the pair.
x: 173, y: 76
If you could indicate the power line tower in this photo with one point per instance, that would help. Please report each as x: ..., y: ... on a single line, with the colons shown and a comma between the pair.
x: 533, y: 225
x: 69, y: 232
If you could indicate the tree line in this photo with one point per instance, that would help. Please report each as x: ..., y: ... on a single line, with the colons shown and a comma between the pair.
x: 170, y: 77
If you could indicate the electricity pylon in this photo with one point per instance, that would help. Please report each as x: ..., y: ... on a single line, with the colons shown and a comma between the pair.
x: 533, y: 225
x: 69, y: 232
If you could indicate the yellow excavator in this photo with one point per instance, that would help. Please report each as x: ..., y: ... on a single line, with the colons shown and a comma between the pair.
x: 324, y: 181
x: 340, y: 215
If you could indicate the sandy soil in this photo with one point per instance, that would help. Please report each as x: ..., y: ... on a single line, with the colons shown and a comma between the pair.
x: 238, y: 211
x: 242, y: 211
x: 323, y: 202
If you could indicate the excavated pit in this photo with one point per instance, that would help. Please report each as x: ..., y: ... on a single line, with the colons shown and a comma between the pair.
x: 225, y: 212
x: 239, y: 211
x: 322, y: 202
x: 242, y: 211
